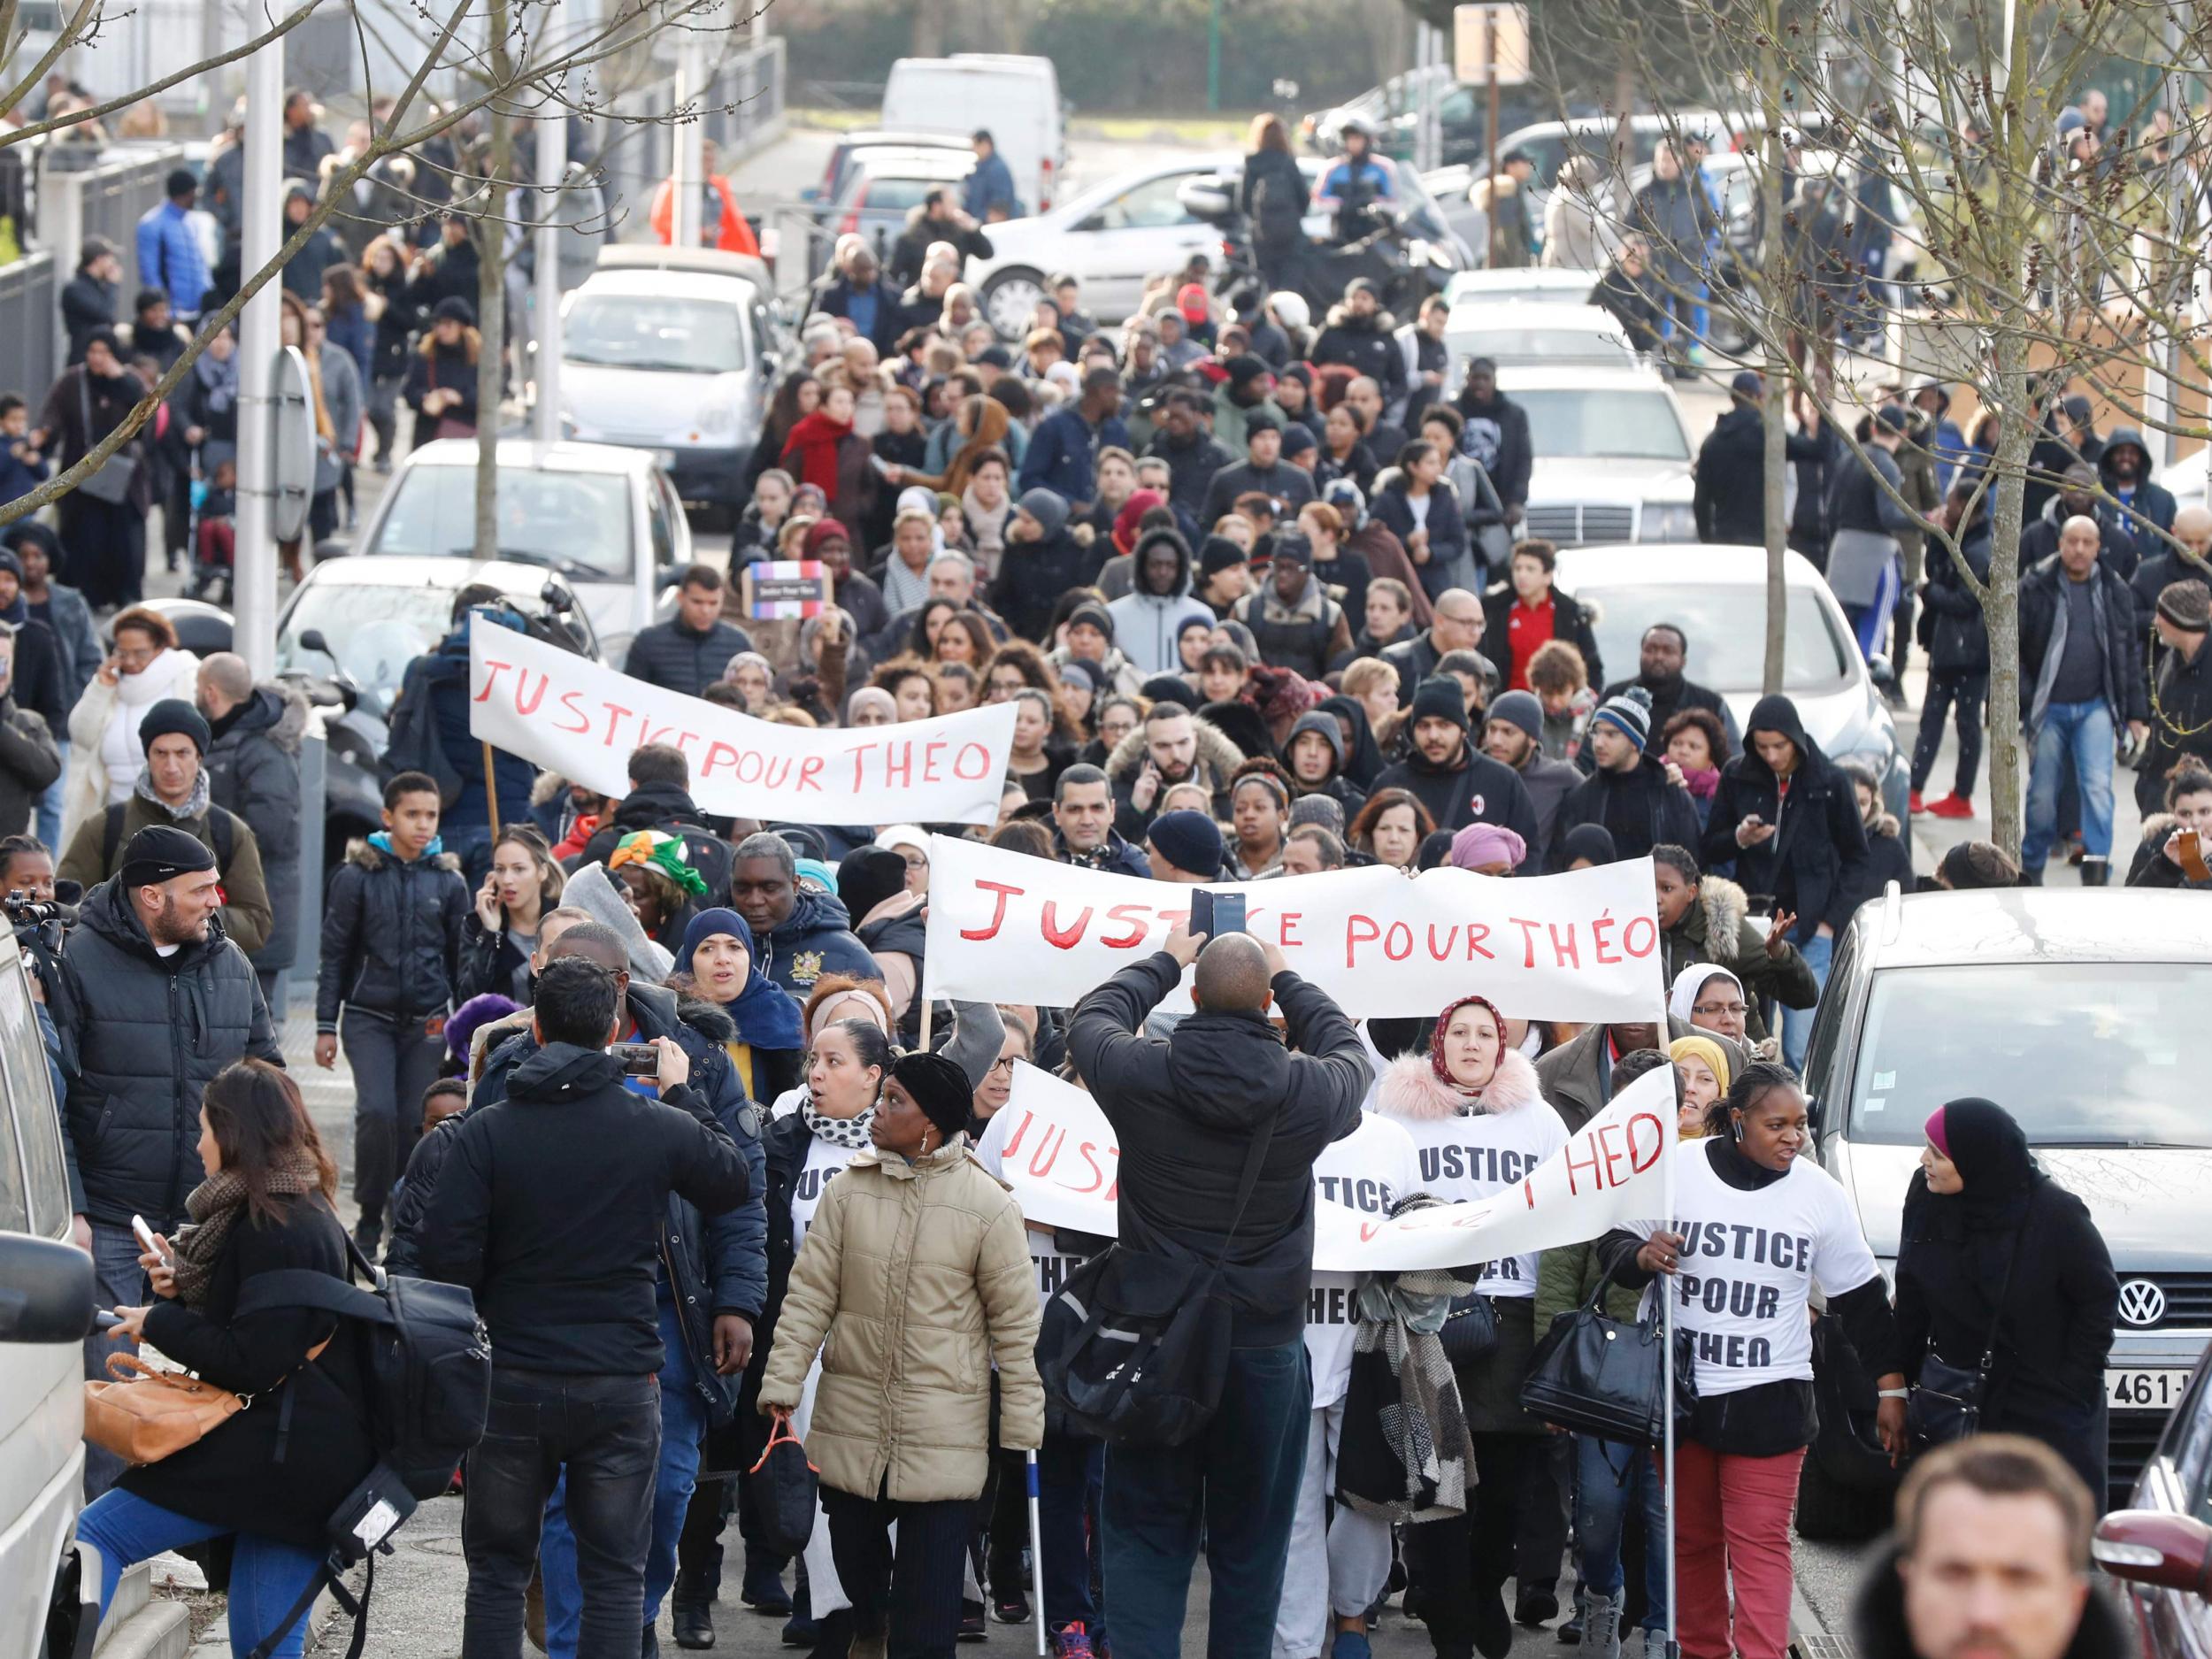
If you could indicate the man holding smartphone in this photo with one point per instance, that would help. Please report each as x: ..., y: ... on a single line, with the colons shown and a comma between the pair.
x: 552, y: 1210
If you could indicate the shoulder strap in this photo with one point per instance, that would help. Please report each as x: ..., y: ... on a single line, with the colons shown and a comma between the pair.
x: 304, y: 1287
x: 111, y: 837
x: 2004, y: 1288
x: 1247, y: 1183
x: 224, y: 830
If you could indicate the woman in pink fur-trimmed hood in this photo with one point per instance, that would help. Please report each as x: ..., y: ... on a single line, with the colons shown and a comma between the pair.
x: 1479, y: 1124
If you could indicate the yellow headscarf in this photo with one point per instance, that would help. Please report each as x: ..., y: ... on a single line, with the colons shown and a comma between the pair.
x: 1703, y: 1047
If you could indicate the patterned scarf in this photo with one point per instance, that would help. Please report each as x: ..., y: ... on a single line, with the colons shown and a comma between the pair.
x: 194, y: 805
x: 215, y: 1205
x: 1436, y: 1047
x: 838, y: 1132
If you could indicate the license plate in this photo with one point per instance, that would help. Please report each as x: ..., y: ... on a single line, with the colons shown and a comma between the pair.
x: 2145, y: 1390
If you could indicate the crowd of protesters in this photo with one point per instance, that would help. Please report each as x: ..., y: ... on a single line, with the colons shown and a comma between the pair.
x: 653, y: 1084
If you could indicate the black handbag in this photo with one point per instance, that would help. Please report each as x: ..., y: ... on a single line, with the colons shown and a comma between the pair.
x: 782, y: 1490
x: 1601, y: 1377
x: 1134, y: 1348
x: 1945, y: 1401
x: 1470, y: 1330
x: 111, y: 480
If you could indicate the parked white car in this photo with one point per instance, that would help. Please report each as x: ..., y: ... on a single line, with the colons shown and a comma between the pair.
x: 1116, y: 237
x: 1613, y: 452
x: 1523, y: 282
x: 676, y: 354
x: 1541, y: 333
x: 605, y: 518
x: 1717, y: 595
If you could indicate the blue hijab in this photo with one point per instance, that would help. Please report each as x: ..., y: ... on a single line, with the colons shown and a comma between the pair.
x: 765, y: 1015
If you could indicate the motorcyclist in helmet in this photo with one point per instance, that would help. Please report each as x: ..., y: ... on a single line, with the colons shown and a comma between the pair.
x: 1349, y: 189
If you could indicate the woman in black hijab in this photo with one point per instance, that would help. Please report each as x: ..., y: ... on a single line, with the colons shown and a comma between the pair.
x: 1362, y: 756
x: 1990, y: 1243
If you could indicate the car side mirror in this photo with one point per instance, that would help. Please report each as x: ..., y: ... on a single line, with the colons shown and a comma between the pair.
x: 1882, y: 671
x: 49, y: 1295
x: 2150, y: 1547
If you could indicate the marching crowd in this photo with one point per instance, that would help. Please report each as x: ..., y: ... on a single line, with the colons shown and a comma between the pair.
x: 664, y: 1091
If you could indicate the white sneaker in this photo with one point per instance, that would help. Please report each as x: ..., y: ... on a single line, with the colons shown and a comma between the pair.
x: 1601, y: 1626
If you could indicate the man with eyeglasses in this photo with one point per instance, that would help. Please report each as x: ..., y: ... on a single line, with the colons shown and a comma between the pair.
x: 1457, y: 627
x: 1707, y: 919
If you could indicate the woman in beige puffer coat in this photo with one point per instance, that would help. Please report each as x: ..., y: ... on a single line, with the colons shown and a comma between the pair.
x: 916, y: 1271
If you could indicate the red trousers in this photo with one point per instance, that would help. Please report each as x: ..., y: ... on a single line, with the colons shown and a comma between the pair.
x: 1732, y: 1527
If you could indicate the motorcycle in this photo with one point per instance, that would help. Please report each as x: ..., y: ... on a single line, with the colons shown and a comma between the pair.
x: 1391, y: 253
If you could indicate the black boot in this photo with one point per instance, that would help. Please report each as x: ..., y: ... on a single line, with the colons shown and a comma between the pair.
x: 2096, y: 872
x: 764, y: 1590
x: 833, y: 1635
x: 368, y: 1233
x: 691, y: 1612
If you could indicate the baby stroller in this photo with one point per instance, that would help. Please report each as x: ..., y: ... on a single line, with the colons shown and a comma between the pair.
x: 214, y: 534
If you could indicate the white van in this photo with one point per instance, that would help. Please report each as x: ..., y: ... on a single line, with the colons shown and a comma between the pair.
x: 1015, y: 99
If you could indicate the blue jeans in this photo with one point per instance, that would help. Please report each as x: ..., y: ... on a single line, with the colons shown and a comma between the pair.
x: 122, y: 1283
x: 2082, y: 731
x: 1235, y: 1487
x: 50, y: 804
x: 265, y: 1577
x: 1797, y: 1023
x: 683, y: 1425
x: 1607, y: 1477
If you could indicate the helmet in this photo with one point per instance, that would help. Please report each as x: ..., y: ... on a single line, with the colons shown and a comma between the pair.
x: 1291, y: 310
x: 1356, y: 124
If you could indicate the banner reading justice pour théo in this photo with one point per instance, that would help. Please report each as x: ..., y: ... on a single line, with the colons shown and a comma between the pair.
x: 581, y: 720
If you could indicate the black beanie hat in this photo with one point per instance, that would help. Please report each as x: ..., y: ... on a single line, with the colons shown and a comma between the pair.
x: 1439, y: 697
x: 160, y: 852
x: 867, y: 877
x: 1217, y: 553
x: 171, y: 715
x: 938, y: 1087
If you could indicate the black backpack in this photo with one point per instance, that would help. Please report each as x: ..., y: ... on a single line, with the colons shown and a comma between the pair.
x: 430, y: 1363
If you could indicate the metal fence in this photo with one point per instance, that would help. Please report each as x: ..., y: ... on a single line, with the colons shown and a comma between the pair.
x: 107, y: 199
x: 30, y: 326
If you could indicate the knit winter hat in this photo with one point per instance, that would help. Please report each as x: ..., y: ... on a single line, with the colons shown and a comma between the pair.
x: 2187, y: 605
x: 172, y: 715
x: 940, y: 1087
x: 1217, y: 553
x: 664, y: 852
x: 160, y: 852
x: 1521, y: 708
x: 1629, y: 713
x: 1189, y: 840
x: 1439, y: 697
x: 1095, y: 615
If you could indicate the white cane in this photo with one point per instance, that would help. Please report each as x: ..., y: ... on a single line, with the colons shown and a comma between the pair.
x: 1036, y: 1551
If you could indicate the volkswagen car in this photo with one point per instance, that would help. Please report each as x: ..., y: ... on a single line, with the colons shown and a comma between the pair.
x: 2076, y: 1011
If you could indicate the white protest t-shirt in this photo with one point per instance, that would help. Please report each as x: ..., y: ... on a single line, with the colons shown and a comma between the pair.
x: 823, y: 1161
x: 1366, y: 1172
x: 1749, y: 1261
x: 1465, y: 1159
x: 1052, y: 1265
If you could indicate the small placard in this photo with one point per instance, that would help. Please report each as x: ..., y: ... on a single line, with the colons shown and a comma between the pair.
x: 785, y: 589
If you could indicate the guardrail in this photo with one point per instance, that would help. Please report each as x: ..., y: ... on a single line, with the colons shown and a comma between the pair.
x: 30, y: 326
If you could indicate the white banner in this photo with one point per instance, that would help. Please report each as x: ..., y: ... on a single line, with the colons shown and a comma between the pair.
x: 1004, y: 927
x: 577, y: 719
x: 1064, y: 1160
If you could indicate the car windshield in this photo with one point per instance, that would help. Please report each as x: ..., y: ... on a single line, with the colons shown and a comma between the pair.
x: 576, y: 523
x: 376, y: 630
x: 1538, y: 345
x: 2108, y: 1063
x: 640, y: 331
x: 1605, y: 424
x: 1728, y: 622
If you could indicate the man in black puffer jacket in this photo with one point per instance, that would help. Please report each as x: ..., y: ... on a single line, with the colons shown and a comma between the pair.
x: 660, y: 799
x: 1630, y: 794
x: 553, y: 1210
x: 1359, y: 335
x: 1187, y: 1109
x: 253, y: 770
x: 688, y: 652
x: 140, y: 1035
x: 1731, y: 494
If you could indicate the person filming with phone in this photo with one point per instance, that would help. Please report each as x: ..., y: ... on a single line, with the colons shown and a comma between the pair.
x: 551, y: 1210
x: 1220, y: 1124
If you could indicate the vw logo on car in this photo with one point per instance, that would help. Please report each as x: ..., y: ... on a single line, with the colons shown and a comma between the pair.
x: 2142, y: 1304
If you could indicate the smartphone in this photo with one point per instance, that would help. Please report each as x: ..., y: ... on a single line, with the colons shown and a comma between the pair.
x: 639, y: 1059
x: 146, y: 1240
x: 1214, y: 914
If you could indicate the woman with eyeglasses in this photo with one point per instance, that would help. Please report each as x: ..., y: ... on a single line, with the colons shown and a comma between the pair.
x: 1709, y: 997
x: 105, y: 757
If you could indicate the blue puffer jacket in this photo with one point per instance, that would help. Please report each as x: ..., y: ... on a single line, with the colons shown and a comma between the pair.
x: 718, y: 1264
x: 816, y: 939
